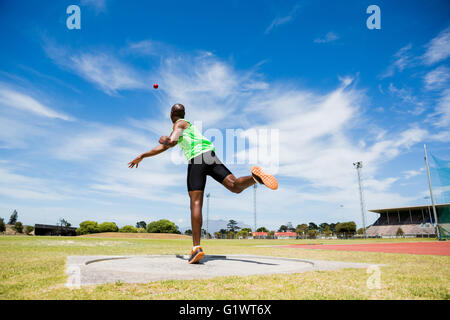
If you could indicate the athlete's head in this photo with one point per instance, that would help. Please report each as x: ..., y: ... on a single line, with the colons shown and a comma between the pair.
x: 177, y: 112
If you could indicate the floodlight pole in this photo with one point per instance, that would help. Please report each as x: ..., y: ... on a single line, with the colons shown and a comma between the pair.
x: 254, y: 206
x: 208, y: 195
x: 431, y: 190
x: 358, y: 166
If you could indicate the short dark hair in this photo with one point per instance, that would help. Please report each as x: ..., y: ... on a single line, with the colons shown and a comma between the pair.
x: 178, y: 110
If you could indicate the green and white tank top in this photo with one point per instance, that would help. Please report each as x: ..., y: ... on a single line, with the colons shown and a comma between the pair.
x: 193, y: 143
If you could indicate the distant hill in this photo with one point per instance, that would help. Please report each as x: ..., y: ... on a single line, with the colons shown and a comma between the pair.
x: 216, y: 225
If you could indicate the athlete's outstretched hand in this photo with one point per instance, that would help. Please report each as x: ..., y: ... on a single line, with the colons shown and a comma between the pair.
x: 156, y: 150
x: 135, y: 162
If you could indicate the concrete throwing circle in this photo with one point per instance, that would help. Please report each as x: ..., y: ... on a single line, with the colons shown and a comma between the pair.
x: 84, y: 270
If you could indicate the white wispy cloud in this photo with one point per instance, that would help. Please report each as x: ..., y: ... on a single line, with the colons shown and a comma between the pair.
x: 107, y: 72
x: 443, y: 111
x: 278, y: 21
x: 147, y: 47
x: 211, y: 88
x: 14, y: 99
x: 329, y: 37
x: 409, y: 102
x: 16, y: 133
x: 437, y: 78
x: 401, y: 59
x: 101, y: 68
x: 438, y: 49
x: 320, y: 125
x: 21, y: 186
x: 408, y: 174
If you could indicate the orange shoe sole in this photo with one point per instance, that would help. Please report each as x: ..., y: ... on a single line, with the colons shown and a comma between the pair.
x: 197, y: 258
x: 269, y: 180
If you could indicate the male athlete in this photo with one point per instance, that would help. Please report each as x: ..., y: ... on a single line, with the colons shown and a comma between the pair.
x: 200, y: 154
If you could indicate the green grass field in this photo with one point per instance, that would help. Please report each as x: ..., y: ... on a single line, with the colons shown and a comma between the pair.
x: 34, y: 268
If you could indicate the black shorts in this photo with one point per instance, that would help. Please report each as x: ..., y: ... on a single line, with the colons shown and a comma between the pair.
x: 205, y: 164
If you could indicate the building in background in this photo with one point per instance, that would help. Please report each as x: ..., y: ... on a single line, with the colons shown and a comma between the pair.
x: 259, y: 235
x: 286, y: 235
x: 49, y: 230
x: 416, y: 221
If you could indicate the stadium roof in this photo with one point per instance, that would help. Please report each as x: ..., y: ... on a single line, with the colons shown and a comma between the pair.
x: 409, y: 208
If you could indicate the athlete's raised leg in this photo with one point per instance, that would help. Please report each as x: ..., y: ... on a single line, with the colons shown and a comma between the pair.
x: 237, y: 185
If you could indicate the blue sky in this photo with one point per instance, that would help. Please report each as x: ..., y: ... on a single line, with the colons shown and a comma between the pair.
x: 77, y: 105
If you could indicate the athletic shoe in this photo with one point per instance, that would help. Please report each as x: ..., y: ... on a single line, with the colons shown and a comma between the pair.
x: 264, y: 178
x: 196, y: 255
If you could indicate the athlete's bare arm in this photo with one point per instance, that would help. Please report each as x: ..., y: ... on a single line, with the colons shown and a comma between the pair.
x: 156, y: 150
x: 165, y: 143
x: 177, y: 131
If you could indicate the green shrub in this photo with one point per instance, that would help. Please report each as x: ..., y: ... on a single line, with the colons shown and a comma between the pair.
x: 87, y: 227
x: 29, y: 229
x: 18, y: 226
x: 128, y: 229
x: 346, y: 229
x: 141, y: 230
x: 312, y: 234
x: 2, y: 225
x: 243, y: 233
x: 162, y: 226
x: 108, y: 227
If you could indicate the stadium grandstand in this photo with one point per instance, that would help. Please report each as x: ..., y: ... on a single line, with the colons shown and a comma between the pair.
x: 417, y: 221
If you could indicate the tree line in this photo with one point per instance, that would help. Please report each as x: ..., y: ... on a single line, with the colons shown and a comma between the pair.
x: 312, y: 230
x: 160, y: 226
x: 304, y: 231
x: 89, y: 226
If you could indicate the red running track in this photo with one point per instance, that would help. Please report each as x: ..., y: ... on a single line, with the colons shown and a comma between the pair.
x: 440, y: 248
